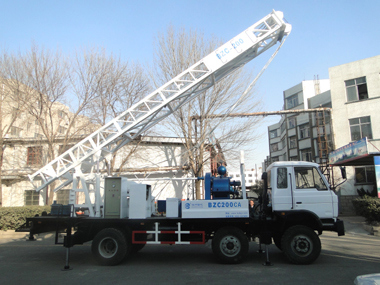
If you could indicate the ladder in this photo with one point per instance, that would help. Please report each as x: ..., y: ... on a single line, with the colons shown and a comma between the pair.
x: 323, y: 147
x: 323, y: 143
x: 101, y: 144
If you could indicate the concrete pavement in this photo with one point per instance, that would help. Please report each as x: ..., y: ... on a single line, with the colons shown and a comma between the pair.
x: 342, y: 259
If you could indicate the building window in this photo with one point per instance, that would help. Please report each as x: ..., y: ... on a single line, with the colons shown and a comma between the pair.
x: 250, y: 175
x: 32, y: 198
x: 16, y: 132
x: 304, y: 131
x: 360, y: 128
x: 364, y: 174
x: 276, y: 158
x: 15, y: 112
x: 283, y: 142
x: 283, y: 126
x: 306, y: 155
x: 34, y: 156
x: 323, y: 117
x: 38, y: 136
x: 274, y: 147
x: 293, y: 158
x: 61, y: 114
x: 292, y: 122
x: 39, y: 122
x: 292, y: 142
x: 63, y: 148
x: 63, y: 196
x: 356, y: 89
x: 62, y: 130
x: 292, y: 101
x: 273, y: 134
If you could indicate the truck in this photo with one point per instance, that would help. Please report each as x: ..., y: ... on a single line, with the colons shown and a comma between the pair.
x: 295, y: 207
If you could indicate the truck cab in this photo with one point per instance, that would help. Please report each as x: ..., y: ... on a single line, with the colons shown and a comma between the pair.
x: 299, y: 185
x: 298, y: 192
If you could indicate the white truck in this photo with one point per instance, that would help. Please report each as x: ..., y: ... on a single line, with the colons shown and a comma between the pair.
x: 295, y: 208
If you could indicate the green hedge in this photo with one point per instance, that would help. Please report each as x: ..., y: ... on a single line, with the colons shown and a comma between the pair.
x: 368, y: 207
x: 12, y: 218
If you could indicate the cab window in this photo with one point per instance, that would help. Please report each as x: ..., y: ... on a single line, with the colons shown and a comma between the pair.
x: 309, y: 177
x: 282, y: 178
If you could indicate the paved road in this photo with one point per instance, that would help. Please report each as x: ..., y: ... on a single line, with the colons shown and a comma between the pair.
x: 40, y: 262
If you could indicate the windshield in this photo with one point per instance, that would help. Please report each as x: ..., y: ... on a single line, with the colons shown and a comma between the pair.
x: 309, y: 177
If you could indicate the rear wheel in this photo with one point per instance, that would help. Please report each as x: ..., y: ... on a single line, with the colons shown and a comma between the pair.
x: 230, y: 245
x: 301, y: 245
x: 110, y: 246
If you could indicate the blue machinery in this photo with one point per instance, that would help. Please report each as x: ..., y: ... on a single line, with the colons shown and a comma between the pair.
x: 220, y: 187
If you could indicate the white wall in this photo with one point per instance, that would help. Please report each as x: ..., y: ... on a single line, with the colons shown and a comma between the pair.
x: 343, y: 110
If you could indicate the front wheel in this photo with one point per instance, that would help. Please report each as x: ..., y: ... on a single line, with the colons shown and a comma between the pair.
x: 110, y: 246
x: 301, y: 245
x: 230, y: 245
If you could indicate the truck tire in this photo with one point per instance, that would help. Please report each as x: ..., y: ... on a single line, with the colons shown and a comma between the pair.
x: 110, y: 246
x: 301, y: 245
x: 230, y: 245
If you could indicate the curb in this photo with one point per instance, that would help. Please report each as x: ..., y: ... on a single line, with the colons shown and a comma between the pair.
x: 373, y: 230
x: 11, y: 234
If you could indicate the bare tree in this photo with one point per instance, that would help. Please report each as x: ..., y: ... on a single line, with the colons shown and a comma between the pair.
x: 48, y: 85
x: 12, y: 102
x: 121, y: 85
x: 175, y: 51
x: 59, y: 93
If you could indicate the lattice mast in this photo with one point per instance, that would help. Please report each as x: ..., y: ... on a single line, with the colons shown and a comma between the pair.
x: 100, y: 145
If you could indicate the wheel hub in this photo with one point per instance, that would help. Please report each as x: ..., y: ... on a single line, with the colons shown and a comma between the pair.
x: 230, y: 245
x: 302, y: 245
x: 108, y: 247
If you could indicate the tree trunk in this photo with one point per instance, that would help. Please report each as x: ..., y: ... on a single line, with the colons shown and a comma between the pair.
x: 198, y: 189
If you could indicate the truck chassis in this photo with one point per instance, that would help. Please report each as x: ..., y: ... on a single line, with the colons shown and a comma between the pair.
x: 115, y: 239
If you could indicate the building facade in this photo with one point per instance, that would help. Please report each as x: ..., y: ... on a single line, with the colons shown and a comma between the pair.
x: 302, y: 136
x: 158, y: 161
x: 355, y: 97
x: 353, y: 94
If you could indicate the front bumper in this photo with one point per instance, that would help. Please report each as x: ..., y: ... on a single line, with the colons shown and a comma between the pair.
x: 334, y: 226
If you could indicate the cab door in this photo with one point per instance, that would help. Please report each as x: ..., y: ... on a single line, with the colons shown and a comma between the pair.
x: 281, y: 189
x: 310, y: 192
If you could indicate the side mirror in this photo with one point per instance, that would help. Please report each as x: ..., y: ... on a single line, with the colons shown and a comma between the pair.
x: 343, y: 171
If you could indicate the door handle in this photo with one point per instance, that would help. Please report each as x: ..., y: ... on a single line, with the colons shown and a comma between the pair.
x: 298, y: 203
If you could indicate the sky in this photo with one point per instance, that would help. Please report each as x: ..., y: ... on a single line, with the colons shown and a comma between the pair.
x: 325, y: 33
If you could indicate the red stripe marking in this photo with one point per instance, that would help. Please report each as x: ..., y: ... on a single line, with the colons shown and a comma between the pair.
x: 134, y: 239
